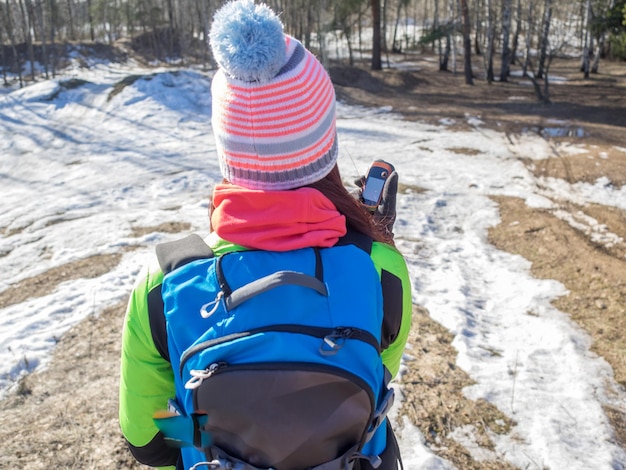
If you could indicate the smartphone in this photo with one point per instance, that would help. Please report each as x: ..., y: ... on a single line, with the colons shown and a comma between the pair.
x: 373, y: 188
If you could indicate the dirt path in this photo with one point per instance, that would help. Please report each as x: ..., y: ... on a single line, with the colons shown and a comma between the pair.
x: 66, y: 416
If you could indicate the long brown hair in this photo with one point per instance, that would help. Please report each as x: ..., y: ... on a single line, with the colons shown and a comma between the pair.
x: 357, y: 217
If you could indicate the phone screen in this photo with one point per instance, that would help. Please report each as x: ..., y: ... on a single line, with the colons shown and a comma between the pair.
x: 371, y: 192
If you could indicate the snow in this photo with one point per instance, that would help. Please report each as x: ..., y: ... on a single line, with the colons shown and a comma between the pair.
x: 81, y: 167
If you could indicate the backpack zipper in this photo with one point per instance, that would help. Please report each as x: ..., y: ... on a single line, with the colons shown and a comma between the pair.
x: 333, y: 338
x: 198, y: 376
x: 221, y: 279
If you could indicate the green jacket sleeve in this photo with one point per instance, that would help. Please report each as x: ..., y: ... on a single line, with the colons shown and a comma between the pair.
x: 390, y: 264
x: 146, y: 379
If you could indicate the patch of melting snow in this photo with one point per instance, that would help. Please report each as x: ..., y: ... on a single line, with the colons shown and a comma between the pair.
x: 604, y: 182
x: 572, y: 149
x: 385, y: 109
x: 466, y: 436
x: 556, y: 79
x: 597, y: 232
x: 474, y: 120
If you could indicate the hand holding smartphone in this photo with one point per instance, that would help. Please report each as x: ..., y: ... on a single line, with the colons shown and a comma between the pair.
x: 372, y: 192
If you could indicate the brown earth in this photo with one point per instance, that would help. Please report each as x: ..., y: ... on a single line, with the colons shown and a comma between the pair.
x: 65, y: 415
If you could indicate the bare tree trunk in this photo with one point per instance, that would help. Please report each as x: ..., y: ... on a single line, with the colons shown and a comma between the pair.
x: 70, y: 15
x: 537, y: 88
x: 596, y: 57
x: 581, y: 22
x: 518, y: 29
x: 550, y: 53
x: 394, y: 45
x: 376, y: 40
x: 360, y: 33
x: 443, y: 64
x: 92, y: 33
x: 321, y: 32
x: 478, y: 28
x: 4, y: 59
x: 117, y: 21
x: 42, y: 34
x: 436, y: 27
x: 172, y: 27
x: 309, y: 23
x: 26, y: 21
x: 528, y: 37
x: 53, y: 20
x: 490, y: 43
x: 11, y: 34
x: 130, y: 23
x: 536, y: 85
x: 203, y: 15
x: 425, y: 17
x: 545, y: 38
x: 383, y: 36
x: 467, y: 44
x: 546, y: 80
x: 153, y: 30
x: 453, y: 31
x: 407, y: 22
x: 112, y: 20
x: 587, y: 47
x: 506, y: 31
x: 444, y: 57
x: 350, y: 50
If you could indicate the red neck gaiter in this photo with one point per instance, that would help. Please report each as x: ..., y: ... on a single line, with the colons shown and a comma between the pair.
x: 275, y: 220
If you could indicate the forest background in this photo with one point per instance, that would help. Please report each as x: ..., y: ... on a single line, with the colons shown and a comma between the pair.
x: 36, y: 34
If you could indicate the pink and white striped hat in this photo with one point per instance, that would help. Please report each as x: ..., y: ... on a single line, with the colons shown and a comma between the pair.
x: 273, y: 103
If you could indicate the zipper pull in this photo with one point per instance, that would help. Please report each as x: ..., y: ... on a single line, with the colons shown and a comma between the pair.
x: 198, y: 376
x: 213, y: 305
x: 333, y: 342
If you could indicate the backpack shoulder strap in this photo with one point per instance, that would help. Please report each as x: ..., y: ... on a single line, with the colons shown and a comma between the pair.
x: 177, y: 253
x: 172, y: 255
x: 358, y: 239
x: 391, y: 285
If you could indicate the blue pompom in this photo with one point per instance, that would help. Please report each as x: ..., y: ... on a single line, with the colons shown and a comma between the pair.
x: 247, y: 41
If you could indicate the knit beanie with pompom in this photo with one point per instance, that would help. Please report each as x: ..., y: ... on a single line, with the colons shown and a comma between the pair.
x: 273, y: 103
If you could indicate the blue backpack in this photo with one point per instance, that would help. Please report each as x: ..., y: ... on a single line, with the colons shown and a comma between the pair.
x: 276, y: 357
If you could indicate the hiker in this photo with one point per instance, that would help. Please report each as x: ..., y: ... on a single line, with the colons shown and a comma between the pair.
x: 273, y: 118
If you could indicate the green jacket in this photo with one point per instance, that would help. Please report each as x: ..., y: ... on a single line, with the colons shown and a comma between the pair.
x: 147, y: 380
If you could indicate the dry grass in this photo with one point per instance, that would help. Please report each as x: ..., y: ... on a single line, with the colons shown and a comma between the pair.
x: 66, y: 416
x: 46, y: 282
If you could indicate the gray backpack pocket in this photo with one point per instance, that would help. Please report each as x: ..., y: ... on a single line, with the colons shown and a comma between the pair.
x: 285, y: 416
